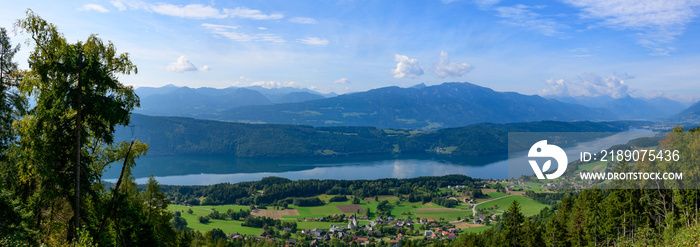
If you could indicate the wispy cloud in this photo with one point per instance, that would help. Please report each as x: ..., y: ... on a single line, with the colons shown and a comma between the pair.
x: 406, y: 67
x: 658, y: 22
x: 243, y: 12
x: 184, y: 65
x: 314, y: 41
x: 195, y: 11
x: 94, y: 7
x: 303, y: 20
x: 231, y: 33
x: 445, y: 68
x: 486, y: 3
x: 523, y: 16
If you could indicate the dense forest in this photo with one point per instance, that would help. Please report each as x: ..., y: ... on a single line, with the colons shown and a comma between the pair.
x: 187, y: 136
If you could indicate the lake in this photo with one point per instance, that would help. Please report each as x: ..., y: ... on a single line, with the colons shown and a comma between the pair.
x: 206, y: 170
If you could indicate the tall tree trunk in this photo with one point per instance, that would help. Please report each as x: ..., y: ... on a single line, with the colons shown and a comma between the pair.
x: 78, y: 127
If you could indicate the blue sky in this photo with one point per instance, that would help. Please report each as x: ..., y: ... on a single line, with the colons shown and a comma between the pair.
x: 565, y: 48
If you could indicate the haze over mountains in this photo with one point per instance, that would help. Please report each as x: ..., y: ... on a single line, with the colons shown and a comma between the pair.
x: 171, y: 100
x: 418, y: 107
x: 631, y: 108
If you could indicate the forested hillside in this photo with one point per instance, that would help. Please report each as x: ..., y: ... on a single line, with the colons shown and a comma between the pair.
x: 178, y: 136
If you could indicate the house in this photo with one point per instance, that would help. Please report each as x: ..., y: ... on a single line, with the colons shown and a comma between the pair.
x: 364, y: 217
x: 263, y: 234
x: 287, y: 229
x: 400, y: 236
x: 477, y: 221
x: 362, y: 240
x: 314, y: 242
x: 428, y: 233
x: 292, y: 241
x: 317, y: 232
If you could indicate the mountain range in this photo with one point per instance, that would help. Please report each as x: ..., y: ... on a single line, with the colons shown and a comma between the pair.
x: 428, y: 107
x: 630, y: 107
x: 418, y: 107
x: 171, y: 100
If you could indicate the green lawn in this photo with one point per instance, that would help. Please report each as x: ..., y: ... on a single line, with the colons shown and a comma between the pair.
x: 528, y: 206
x: 228, y: 226
x: 477, y: 229
x: 589, y: 167
x: 496, y: 194
x: 324, y: 225
x: 448, y: 215
x: 535, y: 186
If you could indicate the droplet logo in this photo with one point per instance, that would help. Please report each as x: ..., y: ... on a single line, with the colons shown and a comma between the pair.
x: 542, y: 150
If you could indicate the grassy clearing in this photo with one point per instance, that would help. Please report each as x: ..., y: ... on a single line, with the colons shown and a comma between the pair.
x: 496, y: 194
x: 528, y: 206
x: 447, y: 215
x: 228, y: 226
x: 476, y: 229
x: 589, y: 167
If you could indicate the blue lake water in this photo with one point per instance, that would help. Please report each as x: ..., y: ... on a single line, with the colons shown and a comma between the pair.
x: 206, y: 170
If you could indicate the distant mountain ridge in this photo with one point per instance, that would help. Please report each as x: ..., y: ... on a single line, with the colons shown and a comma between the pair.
x: 630, y: 107
x: 689, y: 116
x: 172, y: 100
x: 421, y: 107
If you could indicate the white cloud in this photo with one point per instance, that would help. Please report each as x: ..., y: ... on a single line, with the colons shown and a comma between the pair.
x: 94, y: 7
x: 276, y: 84
x: 589, y: 85
x: 486, y: 3
x: 406, y: 67
x: 262, y: 28
x: 445, y: 68
x: 216, y: 26
x: 303, y: 20
x: 342, y: 81
x: 184, y: 65
x: 243, y: 12
x: 231, y: 33
x: 522, y: 16
x: 314, y: 41
x: 195, y: 11
x: 129, y: 4
x: 658, y: 22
